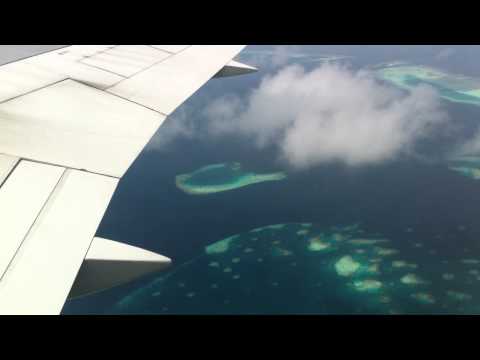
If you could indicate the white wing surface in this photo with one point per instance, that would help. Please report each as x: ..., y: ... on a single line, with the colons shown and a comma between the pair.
x: 72, y: 121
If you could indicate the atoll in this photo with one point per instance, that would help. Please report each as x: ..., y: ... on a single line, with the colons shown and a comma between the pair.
x: 221, y: 177
x: 455, y: 88
x: 274, y: 269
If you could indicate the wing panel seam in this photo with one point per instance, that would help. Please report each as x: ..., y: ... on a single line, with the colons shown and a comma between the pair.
x: 145, y: 69
x: 33, y: 223
x: 10, y: 171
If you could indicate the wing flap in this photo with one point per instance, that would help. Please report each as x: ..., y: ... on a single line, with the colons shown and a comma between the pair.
x: 21, y: 199
x: 41, y: 274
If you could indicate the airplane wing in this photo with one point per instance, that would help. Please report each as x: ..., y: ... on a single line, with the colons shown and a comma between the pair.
x: 72, y: 121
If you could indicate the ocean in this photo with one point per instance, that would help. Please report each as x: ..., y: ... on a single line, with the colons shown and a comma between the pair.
x: 410, y: 200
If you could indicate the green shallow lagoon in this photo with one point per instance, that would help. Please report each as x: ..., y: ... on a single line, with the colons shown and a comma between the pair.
x: 456, y: 88
x: 221, y: 177
x: 299, y: 269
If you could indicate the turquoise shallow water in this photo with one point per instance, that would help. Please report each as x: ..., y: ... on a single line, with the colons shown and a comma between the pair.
x: 221, y: 177
x: 446, y: 93
x: 449, y: 86
x: 213, y: 175
x: 468, y: 166
x: 307, y: 269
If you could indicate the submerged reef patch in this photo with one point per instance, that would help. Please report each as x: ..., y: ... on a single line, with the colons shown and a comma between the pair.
x: 448, y: 276
x: 385, y: 251
x: 403, y: 264
x: 366, y: 241
x: 459, y: 296
x: 221, y: 177
x: 468, y: 166
x: 424, y: 298
x: 368, y: 285
x: 317, y: 244
x: 278, y: 269
x: 346, y: 266
x: 220, y: 246
x: 455, y: 88
x: 266, y: 57
x: 412, y: 279
x: 470, y: 261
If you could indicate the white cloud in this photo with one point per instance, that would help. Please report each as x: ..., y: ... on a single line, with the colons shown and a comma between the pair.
x: 469, y: 147
x: 179, y: 125
x: 329, y: 114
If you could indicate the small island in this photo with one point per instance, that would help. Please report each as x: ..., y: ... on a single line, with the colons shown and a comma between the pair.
x: 221, y: 177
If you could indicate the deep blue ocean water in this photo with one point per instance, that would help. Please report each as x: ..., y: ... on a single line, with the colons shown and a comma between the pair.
x: 409, y: 200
